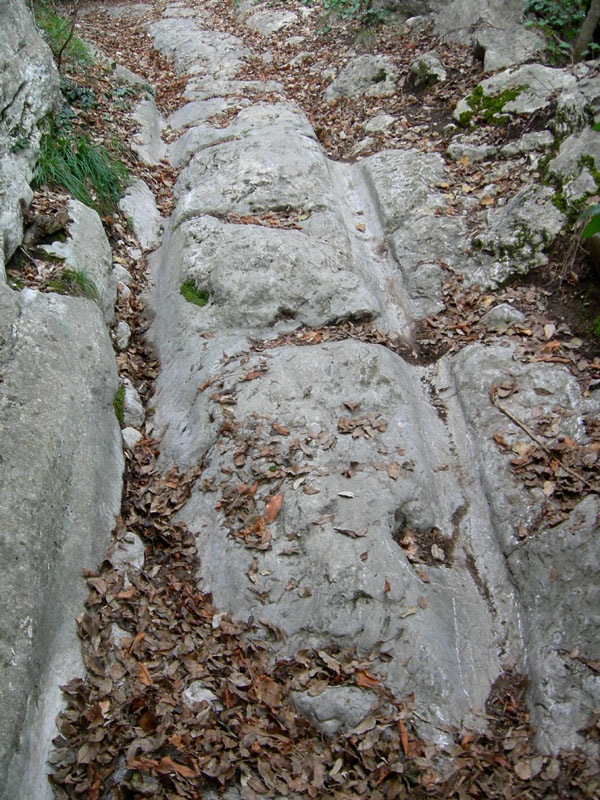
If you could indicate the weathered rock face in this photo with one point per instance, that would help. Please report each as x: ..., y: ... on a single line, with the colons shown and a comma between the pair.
x: 348, y: 496
x: 61, y: 462
x: 28, y: 92
x: 61, y: 476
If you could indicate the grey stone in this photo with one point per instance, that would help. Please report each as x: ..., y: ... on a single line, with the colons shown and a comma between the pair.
x: 568, y: 162
x: 272, y: 162
x: 129, y: 552
x: 131, y: 437
x: 200, y: 111
x: 132, y: 10
x: 122, y: 275
x: 133, y: 410
x: 256, y: 276
x: 140, y: 206
x: 471, y: 147
x: 29, y: 92
x: 147, y: 141
x: 557, y: 576
x: 337, y: 708
x: 581, y: 187
x: 502, y: 317
x: 337, y: 596
x: 373, y: 76
x: 417, y: 245
x: 197, y: 693
x: 475, y: 369
x: 205, y: 89
x: 379, y: 123
x: 122, y: 335
x: 494, y: 27
x: 267, y: 21
x: 403, y: 184
x: 193, y: 50
x: 87, y: 249
x: 61, y: 458
x: 517, y: 233
x: 538, y: 140
x: 426, y: 71
x: 537, y: 85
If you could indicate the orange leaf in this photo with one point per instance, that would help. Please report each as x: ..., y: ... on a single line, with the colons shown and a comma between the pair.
x: 280, y: 429
x: 403, y: 736
x: 365, y: 679
x: 250, y: 376
x: 167, y: 764
x: 144, y: 675
x: 273, y: 507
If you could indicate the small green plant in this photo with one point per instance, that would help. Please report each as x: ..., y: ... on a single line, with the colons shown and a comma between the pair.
x: 58, y: 32
x: 192, y: 294
x: 361, y: 11
x: 78, y: 96
x: 84, y: 170
x: 19, y: 144
x: 76, y: 282
x: 119, y: 404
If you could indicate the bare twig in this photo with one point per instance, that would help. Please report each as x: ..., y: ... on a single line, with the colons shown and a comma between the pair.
x: 531, y: 434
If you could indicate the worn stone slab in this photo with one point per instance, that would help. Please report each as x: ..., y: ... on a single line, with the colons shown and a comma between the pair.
x: 322, y: 590
x: 272, y: 163
x: 256, y: 276
x: 61, y: 472
x: 267, y: 22
x: 201, y: 89
x: 543, y: 386
x: 557, y: 574
x: 194, y: 50
x: 403, y: 184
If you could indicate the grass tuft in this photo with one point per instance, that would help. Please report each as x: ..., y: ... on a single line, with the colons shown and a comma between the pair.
x: 76, y: 282
x: 86, y: 171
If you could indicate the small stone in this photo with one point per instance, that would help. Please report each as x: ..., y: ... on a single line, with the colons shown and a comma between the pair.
x: 197, y: 693
x: 130, y: 552
x: 502, y: 317
x: 379, y: 123
x: 131, y: 437
x: 133, y: 410
x: 426, y: 71
x: 122, y: 335
x: 123, y: 275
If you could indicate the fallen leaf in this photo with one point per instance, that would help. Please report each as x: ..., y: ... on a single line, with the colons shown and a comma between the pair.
x: 553, y: 573
x: 273, y: 508
x: 409, y: 612
x: 144, y: 675
x: 365, y: 680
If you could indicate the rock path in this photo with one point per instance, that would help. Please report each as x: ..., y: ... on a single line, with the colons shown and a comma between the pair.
x: 342, y: 494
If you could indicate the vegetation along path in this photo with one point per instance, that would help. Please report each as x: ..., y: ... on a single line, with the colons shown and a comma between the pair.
x: 357, y: 550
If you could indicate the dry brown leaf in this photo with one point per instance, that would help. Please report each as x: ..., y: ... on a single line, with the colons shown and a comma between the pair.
x: 273, y: 508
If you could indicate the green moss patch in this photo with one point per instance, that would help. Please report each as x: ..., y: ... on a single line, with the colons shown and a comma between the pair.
x: 488, y: 106
x: 199, y: 297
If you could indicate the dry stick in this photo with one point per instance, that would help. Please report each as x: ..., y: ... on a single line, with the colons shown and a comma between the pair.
x: 532, y: 435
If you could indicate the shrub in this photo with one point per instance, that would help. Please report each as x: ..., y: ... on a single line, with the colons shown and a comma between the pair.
x: 58, y: 32
x: 560, y: 21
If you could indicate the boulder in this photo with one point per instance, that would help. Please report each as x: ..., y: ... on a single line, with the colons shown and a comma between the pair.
x: 426, y: 71
x: 29, y: 92
x: 87, y: 250
x: 140, y: 206
x: 373, y: 76
x: 61, y: 472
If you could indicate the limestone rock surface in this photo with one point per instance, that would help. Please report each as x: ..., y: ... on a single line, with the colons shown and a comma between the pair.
x: 62, y: 461
x: 28, y: 93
